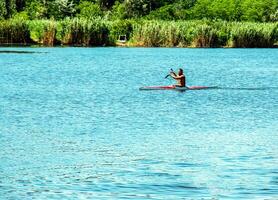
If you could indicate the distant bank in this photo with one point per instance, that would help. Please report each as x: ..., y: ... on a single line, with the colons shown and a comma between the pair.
x: 143, y: 33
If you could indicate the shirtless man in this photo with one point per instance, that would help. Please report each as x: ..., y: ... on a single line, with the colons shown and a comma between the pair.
x: 180, y: 78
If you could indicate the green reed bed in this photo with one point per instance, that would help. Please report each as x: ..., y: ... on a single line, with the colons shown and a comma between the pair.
x: 204, y: 34
x: 119, y: 27
x: 82, y: 32
x: 42, y: 31
x: 91, y: 32
x: 179, y: 34
x: 147, y: 33
x: 254, y: 35
x: 14, y: 32
x: 211, y: 34
x: 162, y: 33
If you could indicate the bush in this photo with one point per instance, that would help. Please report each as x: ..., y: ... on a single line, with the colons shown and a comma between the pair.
x: 149, y: 33
x: 89, y: 10
x: 83, y: 32
x: 3, y: 10
x: 60, y: 9
x: 35, y: 10
x: 14, y: 31
x: 252, y: 35
x: 119, y: 27
x: 42, y: 31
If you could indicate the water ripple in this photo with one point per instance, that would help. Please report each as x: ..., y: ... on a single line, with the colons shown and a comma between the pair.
x: 73, y: 124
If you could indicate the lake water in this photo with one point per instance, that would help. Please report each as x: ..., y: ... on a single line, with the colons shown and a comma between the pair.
x: 74, y: 125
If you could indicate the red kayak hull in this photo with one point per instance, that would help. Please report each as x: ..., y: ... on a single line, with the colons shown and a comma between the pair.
x: 172, y: 87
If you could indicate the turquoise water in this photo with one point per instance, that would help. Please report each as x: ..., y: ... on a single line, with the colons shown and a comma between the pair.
x: 73, y: 124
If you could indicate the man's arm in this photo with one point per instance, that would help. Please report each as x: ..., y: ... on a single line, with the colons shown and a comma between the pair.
x: 173, y: 75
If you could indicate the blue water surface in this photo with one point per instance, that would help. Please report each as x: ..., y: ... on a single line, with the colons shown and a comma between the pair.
x: 74, y: 125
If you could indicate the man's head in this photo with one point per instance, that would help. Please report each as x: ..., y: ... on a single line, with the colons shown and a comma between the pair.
x: 180, y: 71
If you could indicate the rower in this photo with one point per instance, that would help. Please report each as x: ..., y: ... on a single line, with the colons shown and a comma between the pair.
x: 180, y: 78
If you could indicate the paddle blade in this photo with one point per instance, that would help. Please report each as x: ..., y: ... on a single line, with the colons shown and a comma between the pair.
x: 167, y: 76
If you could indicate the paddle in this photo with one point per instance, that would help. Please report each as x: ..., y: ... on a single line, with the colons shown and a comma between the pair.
x: 172, y: 71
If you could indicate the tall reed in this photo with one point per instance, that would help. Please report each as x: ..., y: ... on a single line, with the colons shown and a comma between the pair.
x: 254, y: 35
x: 148, y: 33
x: 118, y: 28
x: 14, y: 31
x: 83, y: 32
x: 163, y: 33
x: 211, y: 34
x: 204, y: 34
x: 42, y: 31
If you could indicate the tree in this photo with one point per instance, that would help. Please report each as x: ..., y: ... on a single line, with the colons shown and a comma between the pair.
x: 3, y: 10
x: 89, y: 10
x: 36, y: 10
x: 201, y: 10
x: 258, y: 10
x: 225, y: 9
x: 106, y: 4
x: 165, y: 13
x: 60, y: 9
x: 118, y: 11
x: 20, y: 4
x: 186, y: 4
x: 10, y: 8
x: 137, y: 8
x: 274, y: 16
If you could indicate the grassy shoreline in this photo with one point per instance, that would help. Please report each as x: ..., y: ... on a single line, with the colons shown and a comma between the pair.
x: 139, y: 33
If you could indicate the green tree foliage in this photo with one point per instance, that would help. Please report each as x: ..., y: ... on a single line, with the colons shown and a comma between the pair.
x: 60, y: 9
x: 229, y: 10
x: 89, y: 10
x: 36, y: 10
x: 10, y: 8
x: 165, y: 13
x: 23, y: 15
x: 20, y: 4
x: 173, y: 11
x: 118, y: 11
x: 106, y: 4
x: 137, y: 8
x: 225, y: 9
x: 258, y: 10
x: 274, y: 16
x: 234, y: 10
x: 3, y: 10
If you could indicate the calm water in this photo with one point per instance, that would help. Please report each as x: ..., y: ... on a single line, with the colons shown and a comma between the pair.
x: 73, y: 124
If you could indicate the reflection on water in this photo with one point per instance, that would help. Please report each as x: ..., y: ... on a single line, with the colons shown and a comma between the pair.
x: 73, y: 124
x: 20, y: 52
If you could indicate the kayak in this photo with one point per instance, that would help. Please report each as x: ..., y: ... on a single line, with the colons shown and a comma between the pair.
x: 173, y: 87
